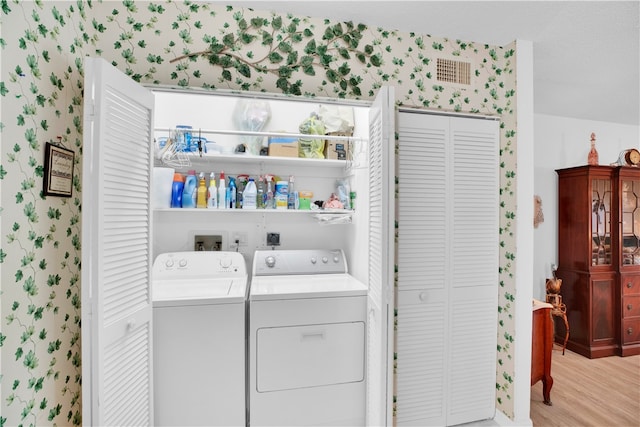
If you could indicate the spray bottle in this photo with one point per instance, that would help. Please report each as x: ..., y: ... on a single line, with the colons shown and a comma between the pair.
x: 231, y: 193
x: 291, y: 196
x: 270, y: 201
x: 260, y: 197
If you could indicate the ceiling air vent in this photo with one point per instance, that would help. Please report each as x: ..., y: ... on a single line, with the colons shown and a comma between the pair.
x: 451, y: 71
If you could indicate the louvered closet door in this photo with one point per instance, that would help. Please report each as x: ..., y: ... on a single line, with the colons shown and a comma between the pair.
x: 423, y: 224
x: 116, y: 231
x: 381, y: 226
x: 474, y: 270
x: 447, y: 269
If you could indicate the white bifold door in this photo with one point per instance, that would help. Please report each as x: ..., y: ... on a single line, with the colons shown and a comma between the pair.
x: 381, y: 260
x: 447, y: 268
x: 116, y: 252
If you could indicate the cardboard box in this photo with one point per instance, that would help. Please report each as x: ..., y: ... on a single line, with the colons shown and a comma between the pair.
x: 337, y: 150
x: 283, y: 147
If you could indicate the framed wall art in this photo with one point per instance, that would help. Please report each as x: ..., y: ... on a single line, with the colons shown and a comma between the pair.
x: 58, y: 170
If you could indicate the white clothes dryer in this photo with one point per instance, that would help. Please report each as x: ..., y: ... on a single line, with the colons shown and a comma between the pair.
x: 307, y: 340
x: 199, y: 344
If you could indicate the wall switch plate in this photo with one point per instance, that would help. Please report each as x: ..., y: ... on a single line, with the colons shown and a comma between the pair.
x: 207, y: 242
x: 273, y: 239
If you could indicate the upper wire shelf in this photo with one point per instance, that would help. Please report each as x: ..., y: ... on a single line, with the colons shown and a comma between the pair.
x: 265, y: 134
x: 188, y: 157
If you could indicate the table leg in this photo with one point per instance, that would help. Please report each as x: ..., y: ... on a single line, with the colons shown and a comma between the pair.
x: 547, y: 383
x: 566, y: 335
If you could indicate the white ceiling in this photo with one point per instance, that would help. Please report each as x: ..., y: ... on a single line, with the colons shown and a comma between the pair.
x: 586, y: 53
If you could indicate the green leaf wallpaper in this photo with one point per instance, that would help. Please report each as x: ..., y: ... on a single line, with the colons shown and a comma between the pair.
x: 186, y: 43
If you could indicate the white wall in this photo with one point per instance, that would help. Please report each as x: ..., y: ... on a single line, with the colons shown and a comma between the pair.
x: 524, y: 241
x: 562, y: 142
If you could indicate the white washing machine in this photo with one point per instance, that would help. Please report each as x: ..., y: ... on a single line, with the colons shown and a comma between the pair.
x: 199, y: 345
x: 307, y: 340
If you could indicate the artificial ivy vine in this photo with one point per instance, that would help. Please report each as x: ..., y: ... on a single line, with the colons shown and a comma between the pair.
x: 288, y: 49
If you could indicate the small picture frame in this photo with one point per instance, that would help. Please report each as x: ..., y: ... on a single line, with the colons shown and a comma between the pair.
x: 58, y: 170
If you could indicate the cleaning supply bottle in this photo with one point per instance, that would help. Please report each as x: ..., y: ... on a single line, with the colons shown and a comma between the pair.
x: 201, y: 201
x: 222, y: 192
x: 176, y: 190
x: 189, y: 191
x: 212, y: 194
x: 281, y: 194
x: 291, y: 197
x: 231, y: 193
x: 261, y: 194
x: 269, y: 200
x: 249, y: 195
x: 241, y: 184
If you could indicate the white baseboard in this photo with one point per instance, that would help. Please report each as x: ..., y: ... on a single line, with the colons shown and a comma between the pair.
x: 502, y: 420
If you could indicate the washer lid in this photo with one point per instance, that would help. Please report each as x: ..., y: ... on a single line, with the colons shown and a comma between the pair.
x: 305, y: 286
x: 202, y: 291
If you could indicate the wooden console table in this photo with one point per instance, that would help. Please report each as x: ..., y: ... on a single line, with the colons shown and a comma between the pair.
x: 542, y: 347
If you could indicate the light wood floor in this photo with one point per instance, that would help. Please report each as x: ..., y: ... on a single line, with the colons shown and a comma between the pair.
x: 589, y: 392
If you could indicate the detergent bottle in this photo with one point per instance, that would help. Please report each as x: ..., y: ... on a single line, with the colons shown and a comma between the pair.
x: 176, y: 190
x: 189, y: 191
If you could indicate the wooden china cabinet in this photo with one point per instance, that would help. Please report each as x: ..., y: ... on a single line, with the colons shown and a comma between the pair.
x: 599, y: 258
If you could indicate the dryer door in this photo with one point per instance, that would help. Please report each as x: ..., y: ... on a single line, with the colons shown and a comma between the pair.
x: 309, y: 356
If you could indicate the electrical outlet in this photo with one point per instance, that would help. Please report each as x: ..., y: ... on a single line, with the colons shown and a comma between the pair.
x: 207, y: 242
x: 273, y: 239
x: 241, y: 237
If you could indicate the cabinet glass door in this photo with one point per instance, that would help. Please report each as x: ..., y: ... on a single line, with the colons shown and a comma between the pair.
x: 630, y: 215
x: 601, y: 222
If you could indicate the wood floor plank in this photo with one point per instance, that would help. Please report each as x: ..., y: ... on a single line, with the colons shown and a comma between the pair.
x: 589, y: 392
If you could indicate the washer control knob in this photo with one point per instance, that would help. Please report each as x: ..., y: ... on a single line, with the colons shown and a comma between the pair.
x: 169, y: 263
x: 225, y: 262
x: 336, y: 259
x: 270, y: 261
x: 313, y: 260
x: 325, y: 259
x: 182, y: 262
